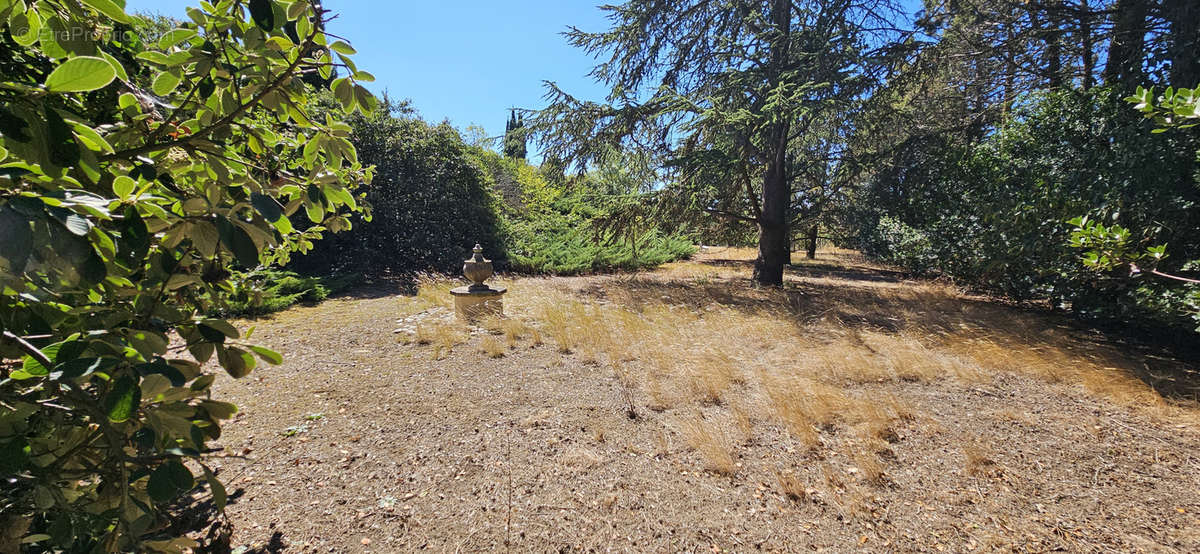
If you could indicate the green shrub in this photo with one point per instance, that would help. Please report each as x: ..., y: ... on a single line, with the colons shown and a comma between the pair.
x: 576, y: 251
x: 271, y: 290
x: 893, y: 242
x: 430, y: 201
x: 135, y: 175
x: 995, y: 211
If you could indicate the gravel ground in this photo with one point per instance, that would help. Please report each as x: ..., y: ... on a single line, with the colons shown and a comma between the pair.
x: 360, y: 443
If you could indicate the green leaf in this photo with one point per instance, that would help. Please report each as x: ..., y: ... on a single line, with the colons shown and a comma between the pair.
x: 169, y: 480
x: 165, y: 83
x: 25, y: 27
x: 123, y: 399
x: 221, y: 326
x: 262, y: 14
x: 343, y: 48
x: 366, y: 100
x: 219, y: 410
x: 242, y: 246
x: 34, y: 368
x: 111, y: 9
x: 270, y: 356
x: 311, y: 149
x: 123, y: 187
x: 81, y: 74
x: 116, y: 65
x: 175, y: 36
x: 218, y: 490
x: 160, y: 487
x: 267, y: 206
x: 343, y: 90
x: 237, y: 362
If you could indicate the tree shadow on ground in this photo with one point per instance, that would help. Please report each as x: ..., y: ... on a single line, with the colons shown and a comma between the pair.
x: 865, y: 299
x: 843, y: 267
x: 196, y: 515
x: 380, y: 287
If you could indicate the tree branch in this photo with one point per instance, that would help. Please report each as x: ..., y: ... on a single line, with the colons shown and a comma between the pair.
x: 229, y: 117
x: 30, y: 349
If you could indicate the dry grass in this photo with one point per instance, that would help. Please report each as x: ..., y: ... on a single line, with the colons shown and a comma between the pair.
x: 492, y: 347
x: 792, y: 485
x: 443, y: 336
x: 869, y: 467
x: 691, y: 337
x: 979, y: 458
x: 712, y: 442
x: 514, y: 330
x: 432, y: 292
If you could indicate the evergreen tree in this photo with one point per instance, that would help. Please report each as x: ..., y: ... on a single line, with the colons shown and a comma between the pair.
x: 735, y: 90
x: 514, y: 136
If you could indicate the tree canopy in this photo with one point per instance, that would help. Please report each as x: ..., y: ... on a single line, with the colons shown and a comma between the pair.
x: 746, y: 100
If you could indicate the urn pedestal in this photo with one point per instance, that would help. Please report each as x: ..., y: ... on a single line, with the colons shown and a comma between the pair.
x: 477, y: 300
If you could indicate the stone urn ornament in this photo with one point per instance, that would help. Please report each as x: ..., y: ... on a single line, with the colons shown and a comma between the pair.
x: 477, y: 299
x: 477, y: 269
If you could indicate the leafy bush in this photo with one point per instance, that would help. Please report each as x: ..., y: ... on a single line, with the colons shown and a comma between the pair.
x: 896, y: 243
x: 995, y: 211
x: 555, y: 228
x: 574, y: 251
x: 430, y: 201
x: 271, y: 290
x: 133, y: 176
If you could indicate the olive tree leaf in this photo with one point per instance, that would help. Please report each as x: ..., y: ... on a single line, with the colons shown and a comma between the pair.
x: 81, y: 74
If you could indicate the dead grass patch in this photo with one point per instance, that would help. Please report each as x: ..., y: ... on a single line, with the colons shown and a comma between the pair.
x: 711, y: 441
x: 793, y: 486
x: 979, y: 458
x: 492, y: 347
x: 442, y: 336
x: 581, y: 457
x: 433, y: 291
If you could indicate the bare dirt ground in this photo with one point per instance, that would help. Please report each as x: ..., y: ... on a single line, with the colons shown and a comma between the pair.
x: 684, y: 410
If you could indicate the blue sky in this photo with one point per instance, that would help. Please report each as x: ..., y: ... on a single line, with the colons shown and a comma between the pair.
x: 467, y: 61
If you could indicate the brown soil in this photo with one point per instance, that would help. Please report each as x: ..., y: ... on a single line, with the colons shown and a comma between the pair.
x: 359, y: 442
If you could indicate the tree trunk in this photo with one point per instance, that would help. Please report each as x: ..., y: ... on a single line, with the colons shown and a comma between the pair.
x: 773, y: 235
x: 1184, y: 44
x: 1128, y: 47
x: 1051, y: 34
x: 773, y: 251
x: 812, y: 242
x: 1087, y: 43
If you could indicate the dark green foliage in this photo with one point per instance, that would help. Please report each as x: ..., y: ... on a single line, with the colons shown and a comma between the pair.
x: 433, y: 197
x: 574, y: 251
x: 994, y: 212
x: 136, y: 174
x: 893, y: 242
x: 431, y: 201
x: 271, y: 290
x: 558, y: 237
x: 515, y: 137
